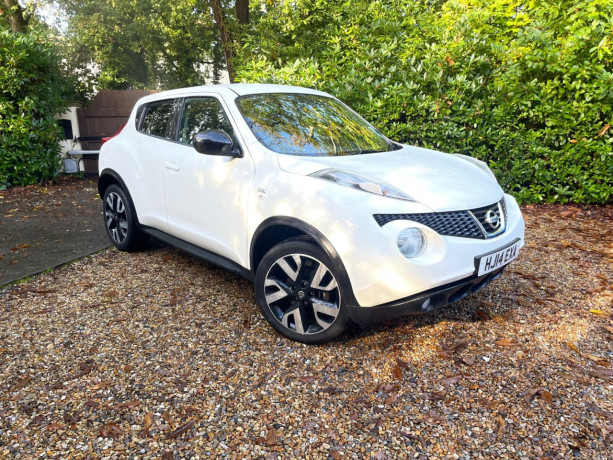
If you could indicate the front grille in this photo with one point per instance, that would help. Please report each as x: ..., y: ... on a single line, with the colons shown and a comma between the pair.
x: 491, y: 218
x: 477, y: 223
x: 456, y: 223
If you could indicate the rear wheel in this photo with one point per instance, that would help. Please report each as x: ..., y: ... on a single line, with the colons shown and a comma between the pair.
x: 299, y: 293
x: 120, y: 220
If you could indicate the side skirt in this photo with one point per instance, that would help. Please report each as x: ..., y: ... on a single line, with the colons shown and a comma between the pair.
x: 197, y: 251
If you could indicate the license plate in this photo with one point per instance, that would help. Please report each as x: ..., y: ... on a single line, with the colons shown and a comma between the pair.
x: 491, y: 262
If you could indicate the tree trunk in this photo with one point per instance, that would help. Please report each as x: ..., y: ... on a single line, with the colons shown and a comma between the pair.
x: 224, y: 34
x: 15, y: 15
x: 242, y: 11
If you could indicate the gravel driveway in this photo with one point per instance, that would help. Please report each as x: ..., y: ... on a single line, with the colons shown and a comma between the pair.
x: 159, y: 355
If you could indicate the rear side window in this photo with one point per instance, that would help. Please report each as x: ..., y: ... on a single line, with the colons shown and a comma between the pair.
x: 158, y: 119
x: 201, y: 114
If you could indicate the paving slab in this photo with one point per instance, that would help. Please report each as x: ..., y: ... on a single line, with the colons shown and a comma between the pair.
x: 44, y: 227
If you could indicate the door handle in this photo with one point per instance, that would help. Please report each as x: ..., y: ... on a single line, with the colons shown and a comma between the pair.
x: 172, y: 166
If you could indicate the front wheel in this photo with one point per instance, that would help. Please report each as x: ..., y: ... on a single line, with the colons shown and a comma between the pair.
x: 299, y: 293
x: 120, y: 220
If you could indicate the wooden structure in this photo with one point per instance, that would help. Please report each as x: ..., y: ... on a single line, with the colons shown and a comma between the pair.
x: 107, y: 114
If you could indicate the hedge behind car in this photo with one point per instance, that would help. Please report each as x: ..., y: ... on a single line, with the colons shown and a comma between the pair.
x: 526, y: 87
x: 30, y: 94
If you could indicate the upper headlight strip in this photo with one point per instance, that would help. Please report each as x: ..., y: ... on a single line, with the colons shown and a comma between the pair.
x: 360, y: 182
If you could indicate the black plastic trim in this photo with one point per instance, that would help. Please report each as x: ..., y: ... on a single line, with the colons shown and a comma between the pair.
x: 176, y: 119
x: 197, y: 251
x: 319, y: 238
x: 439, y: 297
x: 115, y: 175
x: 120, y: 181
x: 138, y: 118
x: 112, y: 173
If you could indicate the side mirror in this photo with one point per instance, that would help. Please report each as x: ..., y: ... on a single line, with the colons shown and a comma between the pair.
x: 215, y: 142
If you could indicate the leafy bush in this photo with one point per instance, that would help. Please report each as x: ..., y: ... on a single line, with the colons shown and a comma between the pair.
x: 30, y: 94
x: 527, y: 87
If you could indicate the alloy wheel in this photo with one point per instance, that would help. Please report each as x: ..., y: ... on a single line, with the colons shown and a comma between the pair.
x: 302, y: 294
x: 115, y: 217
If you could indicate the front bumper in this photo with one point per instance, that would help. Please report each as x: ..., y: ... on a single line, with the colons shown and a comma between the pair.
x: 424, y: 302
x: 380, y: 275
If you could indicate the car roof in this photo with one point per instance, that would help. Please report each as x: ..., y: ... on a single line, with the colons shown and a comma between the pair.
x: 243, y: 89
x: 230, y: 90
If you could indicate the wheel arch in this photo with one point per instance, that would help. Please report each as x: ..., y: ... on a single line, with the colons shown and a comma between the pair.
x: 109, y: 177
x: 275, y: 230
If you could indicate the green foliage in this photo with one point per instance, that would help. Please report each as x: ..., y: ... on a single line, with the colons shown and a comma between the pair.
x: 30, y: 94
x: 525, y: 86
x: 136, y: 44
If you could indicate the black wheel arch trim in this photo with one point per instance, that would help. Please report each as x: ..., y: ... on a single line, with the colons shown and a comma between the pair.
x: 318, y: 238
x: 115, y: 175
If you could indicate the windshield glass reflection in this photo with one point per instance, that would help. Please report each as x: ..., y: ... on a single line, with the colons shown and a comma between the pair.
x: 310, y: 125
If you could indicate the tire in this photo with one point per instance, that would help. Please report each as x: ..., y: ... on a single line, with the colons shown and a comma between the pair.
x: 120, y: 220
x: 299, y: 293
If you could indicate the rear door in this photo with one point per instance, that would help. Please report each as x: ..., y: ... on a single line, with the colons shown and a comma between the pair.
x: 156, y: 130
x: 206, y: 196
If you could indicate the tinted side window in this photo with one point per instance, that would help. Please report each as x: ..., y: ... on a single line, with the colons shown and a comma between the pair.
x: 200, y: 114
x: 158, y: 118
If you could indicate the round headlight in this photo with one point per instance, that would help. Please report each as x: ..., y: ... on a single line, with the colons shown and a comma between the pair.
x: 411, y: 242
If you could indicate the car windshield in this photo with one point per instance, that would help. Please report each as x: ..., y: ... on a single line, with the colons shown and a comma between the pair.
x: 310, y: 125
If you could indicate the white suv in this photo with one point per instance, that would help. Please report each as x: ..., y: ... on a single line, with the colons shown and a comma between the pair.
x: 290, y: 188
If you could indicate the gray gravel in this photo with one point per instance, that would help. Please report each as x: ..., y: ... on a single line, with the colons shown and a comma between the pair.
x: 159, y: 355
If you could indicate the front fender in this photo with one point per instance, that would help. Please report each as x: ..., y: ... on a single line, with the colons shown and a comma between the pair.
x: 293, y: 227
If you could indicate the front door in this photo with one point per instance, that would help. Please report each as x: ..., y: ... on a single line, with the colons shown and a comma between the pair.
x: 206, y: 196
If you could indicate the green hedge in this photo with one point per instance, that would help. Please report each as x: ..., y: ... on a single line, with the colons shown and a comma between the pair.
x: 525, y: 86
x: 30, y: 94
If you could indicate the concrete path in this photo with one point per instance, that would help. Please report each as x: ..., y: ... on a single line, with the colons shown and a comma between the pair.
x: 43, y: 227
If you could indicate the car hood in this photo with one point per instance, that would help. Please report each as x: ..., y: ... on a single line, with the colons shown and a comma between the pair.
x: 438, y: 180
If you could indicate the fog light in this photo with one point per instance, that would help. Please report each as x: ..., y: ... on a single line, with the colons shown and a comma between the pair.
x: 411, y: 242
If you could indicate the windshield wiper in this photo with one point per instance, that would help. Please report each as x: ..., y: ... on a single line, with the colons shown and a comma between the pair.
x: 362, y: 152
